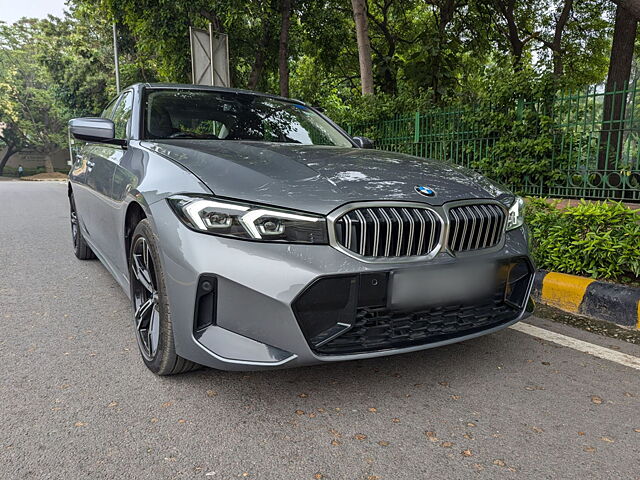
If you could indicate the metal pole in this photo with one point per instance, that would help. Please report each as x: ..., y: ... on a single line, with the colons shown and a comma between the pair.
x: 115, y: 57
x: 193, y: 56
x: 213, y: 71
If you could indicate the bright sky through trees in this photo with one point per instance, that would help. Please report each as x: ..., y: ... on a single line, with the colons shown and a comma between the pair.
x: 11, y: 10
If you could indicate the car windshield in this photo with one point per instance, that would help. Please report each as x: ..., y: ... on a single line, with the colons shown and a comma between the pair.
x: 202, y: 114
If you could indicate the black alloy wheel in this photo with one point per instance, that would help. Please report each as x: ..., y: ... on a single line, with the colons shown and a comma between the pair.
x: 152, y: 319
x: 145, y: 299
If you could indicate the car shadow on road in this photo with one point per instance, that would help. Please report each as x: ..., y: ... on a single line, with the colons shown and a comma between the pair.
x: 445, y: 370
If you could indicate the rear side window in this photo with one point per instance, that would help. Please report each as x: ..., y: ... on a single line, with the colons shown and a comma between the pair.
x: 122, y: 115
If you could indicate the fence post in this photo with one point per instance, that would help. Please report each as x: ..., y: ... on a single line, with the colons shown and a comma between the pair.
x: 520, y: 109
x: 416, y: 129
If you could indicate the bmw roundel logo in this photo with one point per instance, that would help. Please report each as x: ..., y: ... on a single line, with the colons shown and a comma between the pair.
x: 426, y: 191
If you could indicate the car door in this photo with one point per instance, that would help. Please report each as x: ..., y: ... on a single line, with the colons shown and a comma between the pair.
x: 102, y: 161
x: 81, y: 164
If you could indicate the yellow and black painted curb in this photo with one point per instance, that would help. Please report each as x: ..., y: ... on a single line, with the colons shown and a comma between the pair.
x: 611, y: 302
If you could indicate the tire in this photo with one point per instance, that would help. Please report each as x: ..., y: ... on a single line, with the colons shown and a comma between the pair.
x: 80, y: 247
x: 152, y: 318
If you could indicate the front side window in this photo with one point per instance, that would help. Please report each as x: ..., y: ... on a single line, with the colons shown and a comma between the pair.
x: 122, y: 114
x: 199, y: 114
x: 108, y: 112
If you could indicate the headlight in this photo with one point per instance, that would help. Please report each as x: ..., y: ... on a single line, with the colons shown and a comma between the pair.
x: 242, y: 220
x: 515, y: 218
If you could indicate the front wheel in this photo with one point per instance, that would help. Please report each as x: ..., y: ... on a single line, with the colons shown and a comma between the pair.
x: 152, y: 319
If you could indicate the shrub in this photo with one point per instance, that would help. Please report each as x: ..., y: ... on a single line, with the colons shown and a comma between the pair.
x: 597, y: 239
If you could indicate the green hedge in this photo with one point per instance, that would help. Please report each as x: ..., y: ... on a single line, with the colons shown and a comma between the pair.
x: 596, y: 239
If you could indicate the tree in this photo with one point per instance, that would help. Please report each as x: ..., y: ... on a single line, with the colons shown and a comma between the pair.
x: 555, y: 44
x: 631, y: 6
x: 514, y: 19
x: 77, y: 55
x: 624, y: 35
x: 283, y: 49
x: 13, y: 141
x: 364, y: 45
x: 28, y: 103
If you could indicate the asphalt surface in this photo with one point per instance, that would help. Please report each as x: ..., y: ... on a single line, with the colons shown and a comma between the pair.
x: 76, y: 402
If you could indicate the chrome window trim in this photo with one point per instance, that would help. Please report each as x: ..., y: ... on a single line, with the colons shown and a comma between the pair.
x: 440, y: 214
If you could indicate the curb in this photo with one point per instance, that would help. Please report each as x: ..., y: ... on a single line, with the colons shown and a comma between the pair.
x: 610, y: 302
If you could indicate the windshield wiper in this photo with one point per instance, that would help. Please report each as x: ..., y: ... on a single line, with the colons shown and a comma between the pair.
x: 201, y: 136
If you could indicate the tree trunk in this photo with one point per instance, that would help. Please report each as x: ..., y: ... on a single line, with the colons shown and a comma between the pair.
x: 283, y: 50
x: 507, y: 9
x: 261, y: 57
x: 48, y: 164
x: 624, y: 35
x: 556, y: 44
x: 632, y: 6
x: 445, y: 16
x: 8, y: 153
x: 364, y: 45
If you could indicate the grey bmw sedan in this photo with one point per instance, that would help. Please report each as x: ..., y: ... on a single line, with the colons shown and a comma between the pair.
x: 251, y: 232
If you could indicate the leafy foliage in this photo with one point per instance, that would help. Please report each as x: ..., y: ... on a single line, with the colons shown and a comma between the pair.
x: 426, y: 55
x: 28, y: 105
x: 597, y: 239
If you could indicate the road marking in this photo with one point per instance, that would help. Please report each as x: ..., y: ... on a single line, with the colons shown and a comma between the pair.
x: 581, y: 346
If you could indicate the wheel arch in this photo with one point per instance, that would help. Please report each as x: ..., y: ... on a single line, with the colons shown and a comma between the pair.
x: 135, y: 213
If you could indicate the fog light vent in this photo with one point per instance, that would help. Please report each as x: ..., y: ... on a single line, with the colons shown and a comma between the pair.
x: 517, y: 285
x: 205, y: 314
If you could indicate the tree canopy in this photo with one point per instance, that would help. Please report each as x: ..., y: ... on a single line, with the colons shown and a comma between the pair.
x: 422, y: 53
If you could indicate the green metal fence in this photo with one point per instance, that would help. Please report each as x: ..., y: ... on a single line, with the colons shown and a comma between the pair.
x: 580, y: 145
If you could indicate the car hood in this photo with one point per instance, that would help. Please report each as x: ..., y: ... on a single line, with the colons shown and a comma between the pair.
x: 319, y: 178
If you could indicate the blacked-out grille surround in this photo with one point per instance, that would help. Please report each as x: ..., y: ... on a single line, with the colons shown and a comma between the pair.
x: 389, y: 232
x: 475, y: 227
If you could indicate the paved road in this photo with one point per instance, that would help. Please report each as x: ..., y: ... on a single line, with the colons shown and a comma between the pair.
x: 77, y: 403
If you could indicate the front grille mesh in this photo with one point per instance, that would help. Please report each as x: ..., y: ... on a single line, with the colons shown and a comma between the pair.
x: 389, y: 231
x: 380, y: 328
x: 474, y: 227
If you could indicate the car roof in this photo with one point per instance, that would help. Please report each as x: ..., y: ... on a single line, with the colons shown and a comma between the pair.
x: 187, y: 86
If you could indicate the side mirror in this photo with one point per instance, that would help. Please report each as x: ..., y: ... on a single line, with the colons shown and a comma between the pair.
x: 363, y: 142
x: 98, y: 130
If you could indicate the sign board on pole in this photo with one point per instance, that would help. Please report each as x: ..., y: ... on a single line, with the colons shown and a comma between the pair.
x: 200, y: 56
x: 220, y: 58
x: 209, y: 57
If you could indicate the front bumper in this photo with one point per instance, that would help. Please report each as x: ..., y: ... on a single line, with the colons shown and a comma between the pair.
x: 260, y: 318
